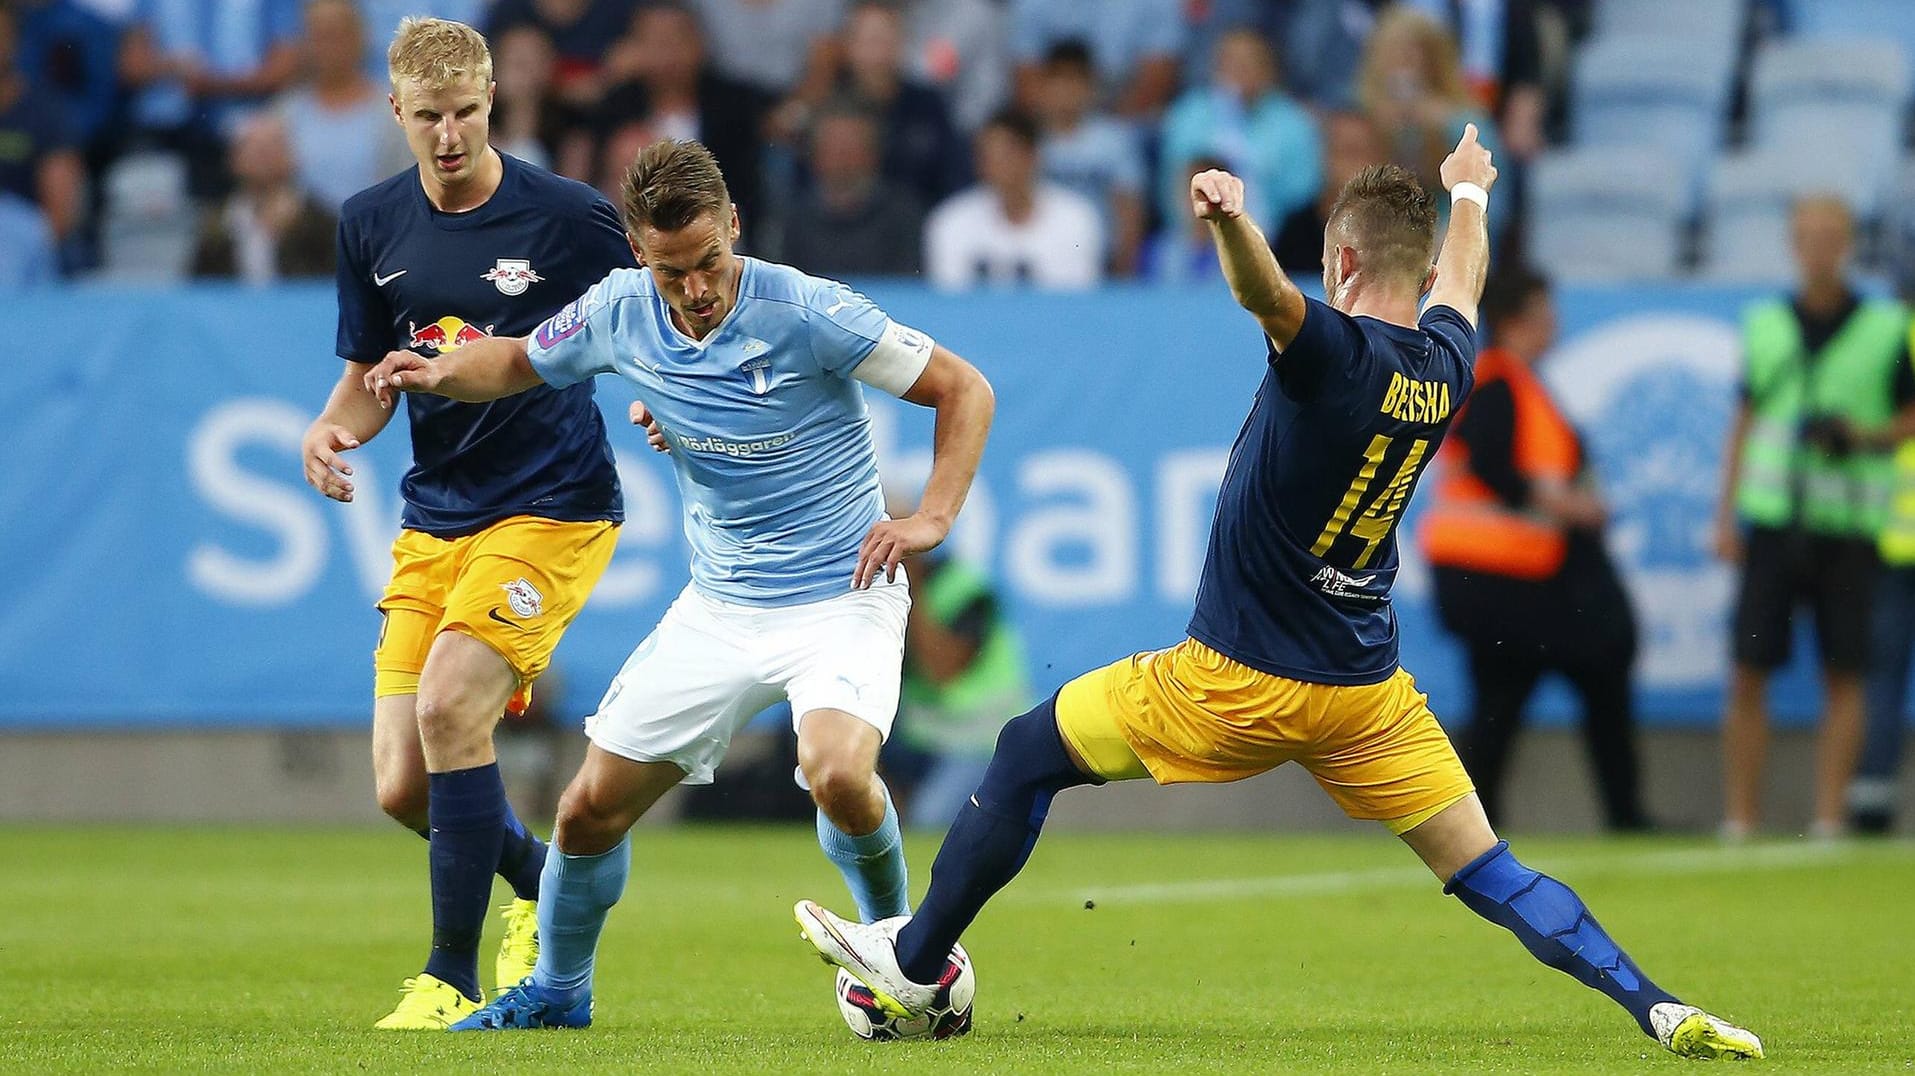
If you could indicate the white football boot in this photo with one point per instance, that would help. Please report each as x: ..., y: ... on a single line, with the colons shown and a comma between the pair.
x: 1687, y: 1031
x: 869, y: 952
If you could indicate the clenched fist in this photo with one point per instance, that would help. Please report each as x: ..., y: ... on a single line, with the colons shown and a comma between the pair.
x: 1216, y: 195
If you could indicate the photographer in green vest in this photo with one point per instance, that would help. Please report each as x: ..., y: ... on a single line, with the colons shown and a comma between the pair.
x: 1804, y: 499
x: 1872, y: 794
x: 964, y: 676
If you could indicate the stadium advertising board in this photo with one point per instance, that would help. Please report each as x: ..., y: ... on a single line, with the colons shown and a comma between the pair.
x: 171, y: 567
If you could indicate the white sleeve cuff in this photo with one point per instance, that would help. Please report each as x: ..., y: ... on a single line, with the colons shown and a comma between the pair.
x: 897, y: 361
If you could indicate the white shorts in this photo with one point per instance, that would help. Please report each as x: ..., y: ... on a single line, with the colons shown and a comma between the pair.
x: 710, y: 666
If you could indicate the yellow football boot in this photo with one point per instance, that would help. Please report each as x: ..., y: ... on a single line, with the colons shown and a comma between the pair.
x: 518, y: 945
x: 429, y: 1003
x: 1687, y: 1031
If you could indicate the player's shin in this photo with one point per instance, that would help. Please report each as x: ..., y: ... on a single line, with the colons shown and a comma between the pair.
x: 467, y: 810
x: 872, y: 864
x: 991, y: 839
x: 575, y: 894
x: 1556, y: 927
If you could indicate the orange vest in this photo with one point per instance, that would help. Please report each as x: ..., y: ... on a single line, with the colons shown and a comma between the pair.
x: 1468, y: 526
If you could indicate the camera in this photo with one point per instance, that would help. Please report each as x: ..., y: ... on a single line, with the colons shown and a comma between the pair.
x: 1830, y: 433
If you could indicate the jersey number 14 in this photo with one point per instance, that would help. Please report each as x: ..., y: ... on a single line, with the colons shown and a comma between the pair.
x: 1375, y: 522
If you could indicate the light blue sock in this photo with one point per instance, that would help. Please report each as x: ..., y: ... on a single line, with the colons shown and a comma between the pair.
x: 872, y: 865
x: 575, y: 892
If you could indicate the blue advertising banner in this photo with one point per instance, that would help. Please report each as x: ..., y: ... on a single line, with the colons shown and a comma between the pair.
x: 170, y: 566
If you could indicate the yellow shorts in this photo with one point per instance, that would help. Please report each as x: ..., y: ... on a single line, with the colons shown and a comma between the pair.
x: 1190, y: 714
x: 514, y: 586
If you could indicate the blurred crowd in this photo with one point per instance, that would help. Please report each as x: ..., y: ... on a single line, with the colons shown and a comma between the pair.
x: 968, y: 140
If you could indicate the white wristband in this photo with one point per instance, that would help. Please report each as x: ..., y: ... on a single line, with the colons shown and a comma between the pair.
x: 1470, y: 192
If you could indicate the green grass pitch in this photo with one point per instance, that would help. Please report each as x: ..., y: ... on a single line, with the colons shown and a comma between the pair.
x: 273, y: 950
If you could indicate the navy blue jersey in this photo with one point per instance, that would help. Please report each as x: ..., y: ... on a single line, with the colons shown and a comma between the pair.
x: 1296, y: 581
x: 413, y: 277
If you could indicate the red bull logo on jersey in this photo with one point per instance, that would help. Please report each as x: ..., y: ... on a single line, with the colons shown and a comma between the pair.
x: 449, y: 333
x: 512, y: 275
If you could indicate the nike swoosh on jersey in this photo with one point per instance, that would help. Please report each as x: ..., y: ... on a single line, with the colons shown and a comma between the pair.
x: 494, y: 614
x: 381, y: 281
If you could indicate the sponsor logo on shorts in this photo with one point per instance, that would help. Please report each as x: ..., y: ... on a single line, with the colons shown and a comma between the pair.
x: 523, y: 597
x: 1335, y: 584
x: 494, y: 614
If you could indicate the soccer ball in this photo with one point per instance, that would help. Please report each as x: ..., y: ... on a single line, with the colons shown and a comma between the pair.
x: 948, y: 1017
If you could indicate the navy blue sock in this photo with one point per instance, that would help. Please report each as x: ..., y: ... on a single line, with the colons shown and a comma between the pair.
x: 1555, y: 926
x: 521, y: 858
x: 991, y: 839
x: 468, y: 811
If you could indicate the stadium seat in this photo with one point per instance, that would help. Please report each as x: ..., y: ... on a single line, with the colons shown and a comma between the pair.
x: 1878, y: 20
x: 1671, y: 93
x: 149, y: 227
x: 1598, y: 214
x: 1709, y: 20
x: 1836, y: 103
x: 1746, y: 232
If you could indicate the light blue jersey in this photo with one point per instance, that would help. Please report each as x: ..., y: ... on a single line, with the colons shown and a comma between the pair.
x: 770, y: 436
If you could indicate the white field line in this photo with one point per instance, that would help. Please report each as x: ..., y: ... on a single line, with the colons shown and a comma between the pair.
x: 1764, y: 857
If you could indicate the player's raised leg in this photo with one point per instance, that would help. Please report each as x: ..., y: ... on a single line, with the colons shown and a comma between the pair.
x: 1558, y: 929
x: 585, y: 875
x: 857, y: 822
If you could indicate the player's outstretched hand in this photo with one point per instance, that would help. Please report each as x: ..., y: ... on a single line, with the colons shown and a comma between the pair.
x: 1468, y: 163
x: 655, y: 437
x: 325, y: 471
x: 890, y: 542
x: 1215, y: 195
x: 400, y: 371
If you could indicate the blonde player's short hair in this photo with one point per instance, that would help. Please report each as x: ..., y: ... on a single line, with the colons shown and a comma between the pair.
x: 435, y: 53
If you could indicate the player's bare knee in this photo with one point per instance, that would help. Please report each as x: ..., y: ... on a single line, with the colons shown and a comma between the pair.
x: 448, y: 721
x: 589, y: 821
x: 845, y: 789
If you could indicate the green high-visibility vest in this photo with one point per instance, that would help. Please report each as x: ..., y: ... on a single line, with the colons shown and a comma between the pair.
x: 1898, y: 533
x: 1853, y: 378
x: 964, y: 715
x: 1898, y: 530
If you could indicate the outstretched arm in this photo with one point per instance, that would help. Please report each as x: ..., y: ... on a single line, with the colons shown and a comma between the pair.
x: 1256, y: 280
x: 480, y: 371
x: 1464, y: 264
